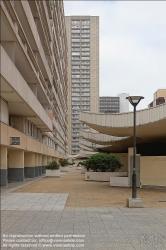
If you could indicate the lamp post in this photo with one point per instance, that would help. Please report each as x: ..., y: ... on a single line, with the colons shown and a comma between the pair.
x: 134, y: 100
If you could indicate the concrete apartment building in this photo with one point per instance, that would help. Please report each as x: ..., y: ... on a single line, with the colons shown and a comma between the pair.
x: 113, y: 104
x: 33, y: 87
x: 83, y: 75
x: 159, y: 97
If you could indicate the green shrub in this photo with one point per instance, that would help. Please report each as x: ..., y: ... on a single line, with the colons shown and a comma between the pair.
x: 63, y: 162
x: 103, y: 162
x: 52, y: 165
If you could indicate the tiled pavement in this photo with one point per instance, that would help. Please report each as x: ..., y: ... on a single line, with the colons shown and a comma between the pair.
x: 102, y: 222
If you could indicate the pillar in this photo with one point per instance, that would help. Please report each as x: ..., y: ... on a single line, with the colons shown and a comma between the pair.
x: 29, y: 163
x: 49, y: 159
x: 40, y: 163
x: 44, y: 164
x: 16, y: 165
x: 36, y: 166
x: 3, y: 166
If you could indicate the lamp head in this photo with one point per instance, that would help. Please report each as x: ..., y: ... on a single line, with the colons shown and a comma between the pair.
x: 134, y: 100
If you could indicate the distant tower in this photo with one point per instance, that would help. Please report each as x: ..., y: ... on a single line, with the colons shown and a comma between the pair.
x: 83, y: 73
x: 124, y: 103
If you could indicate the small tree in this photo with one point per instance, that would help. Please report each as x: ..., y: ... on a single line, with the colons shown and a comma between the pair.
x: 63, y: 162
x: 52, y: 165
x: 103, y: 162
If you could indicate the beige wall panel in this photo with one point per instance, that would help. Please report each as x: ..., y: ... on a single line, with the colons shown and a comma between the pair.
x: 44, y: 160
x: 124, y: 160
x: 16, y: 158
x: 3, y: 157
x: 29, y: 159
x: 4, y: 134
x: 4, y: 112
x: 153, y: 170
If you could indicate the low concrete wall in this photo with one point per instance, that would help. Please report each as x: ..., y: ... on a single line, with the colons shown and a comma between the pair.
x: 64, y: 169
x: 153, y: 171
x: 119, y: 181
x: 52, y: 173
x: 83, y: 170
x: 102, y: 176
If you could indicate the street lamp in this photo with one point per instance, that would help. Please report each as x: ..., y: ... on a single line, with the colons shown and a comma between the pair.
x: 134, y: 100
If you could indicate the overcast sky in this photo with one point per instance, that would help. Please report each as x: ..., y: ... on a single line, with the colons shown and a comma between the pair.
x: 132, y: 45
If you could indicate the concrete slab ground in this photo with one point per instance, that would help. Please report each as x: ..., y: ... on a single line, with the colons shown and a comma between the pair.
x: 70, y: 213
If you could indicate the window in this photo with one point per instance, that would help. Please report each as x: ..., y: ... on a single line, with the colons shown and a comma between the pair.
x: 84, y: 35
x: 84, y: 67
x: 76, y: 71
x: 76, y: 53
x: 85, y: 71
x: 84, y: 80
x: 75, y: 58
x: 75, y: 26
x: 85, y: 85
x: 84, y: 53
x: 88, y: 103
x: 85, y: 44
x: 75, y: 76
x: 75, y: 94
x: 75, y: 35
x: 85, y: 26
x: 75, y: 62
x: 85, y: 76
x: 75, y: 40
x: 75, y: 44
x: 85, y: 62
x: 75, y: 89
x: 75, y: 80
x: 85, y: 21
x: 85, y: 57
x: 75, y: 67
x: 75, y: 99
x: 75, y: 49
x: 85, y: 49
x: 85, y: 31
x: 85, y: 89
x: 85, y: 40
x: 75, y: 85
x: 75, y: 21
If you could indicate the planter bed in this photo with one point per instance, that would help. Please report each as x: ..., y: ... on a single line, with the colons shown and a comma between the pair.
x: 64, y: 169
x: 119, y: 181
x: 83, y: 170
x: 102, y: 176
x: 53, y: 173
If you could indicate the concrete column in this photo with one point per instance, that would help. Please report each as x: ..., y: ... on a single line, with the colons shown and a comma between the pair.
x: 40, y: 163
x: 44, y: 164
x: 36, y: 166
x: 16, y: 165
x: 29, y: 163
x: 3, y: 166
x: 49, y: 159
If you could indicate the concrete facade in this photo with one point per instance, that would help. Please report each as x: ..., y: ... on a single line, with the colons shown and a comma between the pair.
x: 83, y: 73
x: 159, y: 97
x: 34, y: 87
x: 116, y: 131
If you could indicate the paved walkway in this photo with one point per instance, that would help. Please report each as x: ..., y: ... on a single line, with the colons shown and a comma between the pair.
x: 80, y: 215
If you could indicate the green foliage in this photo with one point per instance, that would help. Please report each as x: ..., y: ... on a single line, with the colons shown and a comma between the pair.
x: 103, y: 162
x: 63, y: 162
x: 52, y: 165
